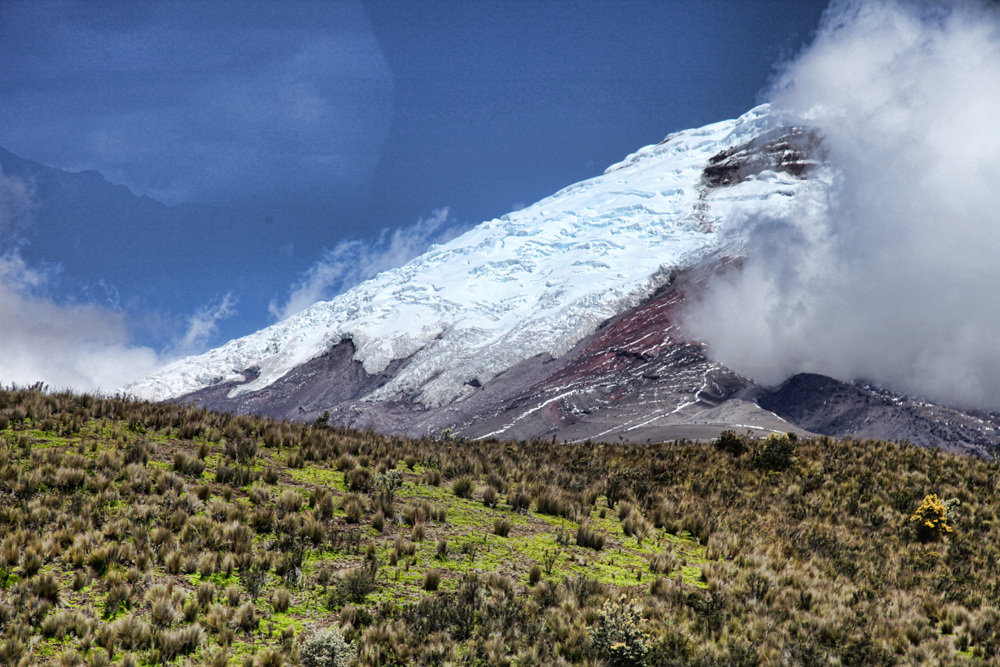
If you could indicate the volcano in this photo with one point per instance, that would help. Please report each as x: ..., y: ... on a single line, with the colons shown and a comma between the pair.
x: 564, y: 320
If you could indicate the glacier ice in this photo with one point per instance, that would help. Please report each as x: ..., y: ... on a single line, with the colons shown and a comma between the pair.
x: 534, y: 281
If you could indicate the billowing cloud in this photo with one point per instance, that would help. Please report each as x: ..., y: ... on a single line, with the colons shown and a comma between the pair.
x: 896, y: 280
x: 82, y: 346
x: 202, y: 325
x: 352, y: 262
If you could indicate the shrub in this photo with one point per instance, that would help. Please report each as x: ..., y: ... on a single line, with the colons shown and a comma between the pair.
x: 931, y: 519
x: 616, y: 636
x: 775, y: 453
x: 358, y: 583
x: 432, y: 580
x: 326, y: 649
x: 535, y: 574
x: 730, y: 443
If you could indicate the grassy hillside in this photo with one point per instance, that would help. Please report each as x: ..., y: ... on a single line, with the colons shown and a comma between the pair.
x: 134, y: 534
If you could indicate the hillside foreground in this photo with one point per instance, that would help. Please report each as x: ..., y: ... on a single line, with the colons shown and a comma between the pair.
x: 136, y: 533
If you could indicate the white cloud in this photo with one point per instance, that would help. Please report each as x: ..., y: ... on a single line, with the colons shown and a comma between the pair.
x: 85, y: 347
x: 352, y: 262
x: 897, y: 281
x: 202, y: 325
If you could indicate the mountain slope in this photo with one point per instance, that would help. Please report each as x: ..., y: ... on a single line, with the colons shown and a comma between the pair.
x: 561, y: 320
x: 534, y: 282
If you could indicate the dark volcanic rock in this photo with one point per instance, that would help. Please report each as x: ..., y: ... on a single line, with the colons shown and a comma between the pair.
x: 823, y: 405
x: 791, y: 150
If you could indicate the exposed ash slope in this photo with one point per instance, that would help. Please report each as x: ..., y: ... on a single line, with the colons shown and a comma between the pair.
x: 821, y: 404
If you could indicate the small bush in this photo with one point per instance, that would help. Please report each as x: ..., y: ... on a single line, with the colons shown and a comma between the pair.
x: 357, y: 584
x: 326, y: 649
x: 432, y: 580
x: 731, y: 443
x: 775, y: 453
x: 931, y: 519
x: 616, y: 636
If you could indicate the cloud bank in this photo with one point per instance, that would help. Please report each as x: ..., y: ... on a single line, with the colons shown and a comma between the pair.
x: 81, y: 346
x: 352, y: 262
x: 897, y: 280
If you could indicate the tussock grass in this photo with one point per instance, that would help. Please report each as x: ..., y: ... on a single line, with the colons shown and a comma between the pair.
x: 134, y: 533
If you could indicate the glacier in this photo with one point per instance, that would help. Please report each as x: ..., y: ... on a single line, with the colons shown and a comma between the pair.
x: 532, y: 282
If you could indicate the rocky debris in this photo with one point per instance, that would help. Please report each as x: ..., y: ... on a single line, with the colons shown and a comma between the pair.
x: 793, y: 151
x: 824, y: 405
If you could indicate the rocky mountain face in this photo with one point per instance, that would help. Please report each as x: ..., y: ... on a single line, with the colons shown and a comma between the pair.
x: 564, y: 320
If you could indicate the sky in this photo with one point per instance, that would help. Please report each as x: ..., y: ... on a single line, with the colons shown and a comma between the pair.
x: 322, y: 142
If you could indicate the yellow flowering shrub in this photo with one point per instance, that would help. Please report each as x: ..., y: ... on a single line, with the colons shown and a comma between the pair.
x: 931, y: 518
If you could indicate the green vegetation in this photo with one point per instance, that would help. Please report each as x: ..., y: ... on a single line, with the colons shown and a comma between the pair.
x: 142, y: 534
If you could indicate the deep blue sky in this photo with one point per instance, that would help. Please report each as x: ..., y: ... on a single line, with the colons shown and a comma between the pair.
x: 307, y: 123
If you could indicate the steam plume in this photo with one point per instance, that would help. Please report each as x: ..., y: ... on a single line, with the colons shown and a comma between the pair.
x: 897, y: 278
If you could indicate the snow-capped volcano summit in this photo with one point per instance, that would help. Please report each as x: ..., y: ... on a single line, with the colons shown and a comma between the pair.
x: 563, y: 319
x: 533, y: 282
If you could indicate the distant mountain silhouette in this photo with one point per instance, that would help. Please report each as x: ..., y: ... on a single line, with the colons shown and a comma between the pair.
x: 112, y: 244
